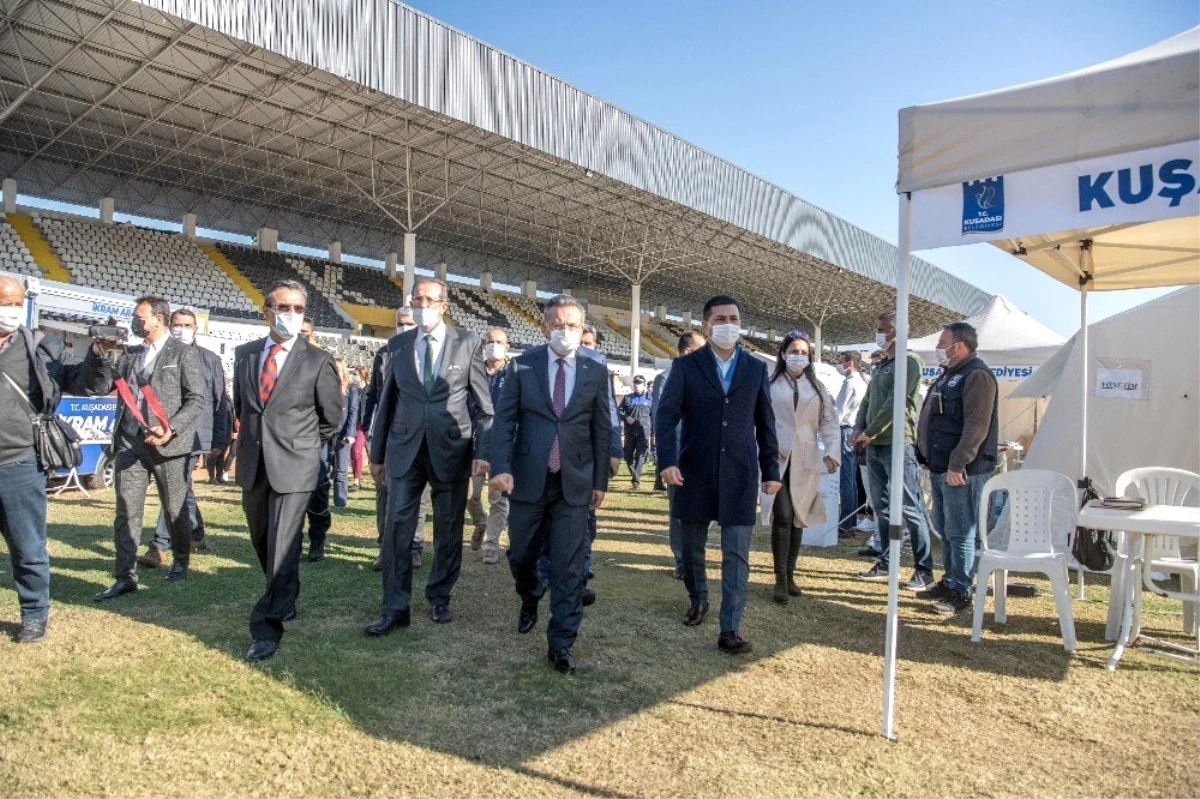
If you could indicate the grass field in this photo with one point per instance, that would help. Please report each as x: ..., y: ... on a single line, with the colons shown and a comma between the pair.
x: 149, y: 695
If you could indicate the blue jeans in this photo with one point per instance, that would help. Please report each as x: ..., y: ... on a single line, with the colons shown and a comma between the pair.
x: 956, y: 517
x: 735, y: 568
x: 879, y: 468
x: 23, y: 523
x: 848, y: 482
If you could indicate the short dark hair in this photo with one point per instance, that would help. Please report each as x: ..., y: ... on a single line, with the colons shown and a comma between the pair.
x: 588, y: 327
x: 688, y: 341
x: 853, y: 356
x: 963, y: 332
x: 184, y: 312
x: 158, y: 306
x: 721, y: 299
x: 308, y: 321
x: 288, y: 285
x: 562, y: 301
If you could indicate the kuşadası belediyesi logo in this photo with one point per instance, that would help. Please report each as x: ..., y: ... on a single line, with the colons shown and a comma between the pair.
x: 1096, y: 191
x: 983, y: 205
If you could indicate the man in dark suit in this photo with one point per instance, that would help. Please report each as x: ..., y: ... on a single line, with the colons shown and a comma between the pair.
x: 553, y: 438
x: 426, y: 432
x: 212, y: 436
x: 161, y: 395
x: 288, y: 399
x: 720, y: 395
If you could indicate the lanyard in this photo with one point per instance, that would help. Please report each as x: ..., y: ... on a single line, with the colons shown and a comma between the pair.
x: 151, y: 402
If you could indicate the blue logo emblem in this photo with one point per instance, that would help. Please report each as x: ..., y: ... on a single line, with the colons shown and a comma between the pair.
x: 983, y: 206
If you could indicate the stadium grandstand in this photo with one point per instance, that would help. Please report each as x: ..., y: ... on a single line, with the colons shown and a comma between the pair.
x: 373, y: 130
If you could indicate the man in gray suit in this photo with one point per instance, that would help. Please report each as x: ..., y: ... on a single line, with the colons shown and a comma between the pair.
x: 552, y: 443
x: 212, y: 436
x: 161, y: 392
x: 288, y: 398
x: 426, y: 433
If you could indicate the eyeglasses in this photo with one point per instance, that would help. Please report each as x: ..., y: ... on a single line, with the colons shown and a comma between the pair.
x: 287, y: 308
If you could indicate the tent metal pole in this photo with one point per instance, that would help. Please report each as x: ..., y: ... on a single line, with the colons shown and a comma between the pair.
x: 896, y: 487
x: 1085, y: 252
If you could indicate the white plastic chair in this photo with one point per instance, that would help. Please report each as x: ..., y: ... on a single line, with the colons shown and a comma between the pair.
x: 1161, y: 553
x: 1030, y: 545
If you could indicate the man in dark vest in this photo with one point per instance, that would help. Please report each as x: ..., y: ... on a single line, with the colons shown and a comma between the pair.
x: 635, y: 411
x: 956, y: 441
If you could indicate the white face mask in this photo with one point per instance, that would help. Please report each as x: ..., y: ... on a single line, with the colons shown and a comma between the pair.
x: 404, y: 328
x: 796, y: 362
x: 185, y: 334
x: 495, y: 351
x: 565, y: 342
x: 725, y: 336
x: 942, y: 357
x: 881, y: 340
x: 287, y: 325
x: 427, y: 318
x: 10, y: 318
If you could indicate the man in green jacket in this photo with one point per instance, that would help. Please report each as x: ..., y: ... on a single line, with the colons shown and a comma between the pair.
x: 873, y: 428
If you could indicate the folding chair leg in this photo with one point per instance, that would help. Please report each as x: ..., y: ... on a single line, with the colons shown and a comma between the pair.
x: 1001, y: 596
x: 981, y: 584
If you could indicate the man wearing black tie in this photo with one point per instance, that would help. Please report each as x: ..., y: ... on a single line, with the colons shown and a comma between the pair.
x: 426, y: 433
x: 552, y: 438
x: 288, y: 398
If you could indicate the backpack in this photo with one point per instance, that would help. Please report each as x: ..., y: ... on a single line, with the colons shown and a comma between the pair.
x: 1095, y: 550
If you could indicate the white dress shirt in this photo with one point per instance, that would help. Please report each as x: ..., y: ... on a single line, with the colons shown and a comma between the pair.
x: 849, y: 398
x: 436, y: 337
x: 280, y: 357
x: 569, y: 365
x: 150, y: 352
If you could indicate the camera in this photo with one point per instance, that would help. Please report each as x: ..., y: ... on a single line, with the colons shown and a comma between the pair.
x: 110, y: 333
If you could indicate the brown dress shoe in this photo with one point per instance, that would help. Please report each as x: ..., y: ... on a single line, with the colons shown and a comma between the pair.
x: 477, y: 538
x: 695, y: 614
x: 152, y: 559
x: 733, y: 643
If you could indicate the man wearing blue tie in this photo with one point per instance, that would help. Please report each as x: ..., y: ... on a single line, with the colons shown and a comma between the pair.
x: 721, y: 396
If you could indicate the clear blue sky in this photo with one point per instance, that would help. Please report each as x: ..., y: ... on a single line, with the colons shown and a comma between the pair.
x: 805, y: 94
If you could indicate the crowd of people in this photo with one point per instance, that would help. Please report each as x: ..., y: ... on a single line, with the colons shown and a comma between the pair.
x: 446, y: 420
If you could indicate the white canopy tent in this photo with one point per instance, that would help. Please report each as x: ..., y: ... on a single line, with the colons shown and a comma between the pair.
x: 1090, y: 177
x: 1013, y: 344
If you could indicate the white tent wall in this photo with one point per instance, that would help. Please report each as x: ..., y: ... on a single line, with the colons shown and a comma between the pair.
x: 1163, y: 429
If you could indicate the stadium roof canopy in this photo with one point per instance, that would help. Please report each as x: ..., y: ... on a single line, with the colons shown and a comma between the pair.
x: 362, y: 120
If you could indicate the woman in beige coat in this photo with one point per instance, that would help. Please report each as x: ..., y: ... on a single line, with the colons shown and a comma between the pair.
x: 803, y: 412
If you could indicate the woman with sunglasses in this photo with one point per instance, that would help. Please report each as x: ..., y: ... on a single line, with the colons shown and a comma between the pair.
x: 804, y: 413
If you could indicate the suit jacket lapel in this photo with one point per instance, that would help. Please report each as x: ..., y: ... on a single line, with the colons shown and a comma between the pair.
x: 584, y: 369
x: 158, y: 361
x: 708, y: 365
x: 541, y: 367
x: 290, y: 366
x: 252, y: 374
x: 404, y: 367
x: 741, y: 370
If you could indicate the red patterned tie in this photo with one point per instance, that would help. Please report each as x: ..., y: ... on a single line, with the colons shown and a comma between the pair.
x: 270, y: 373
x: 560, y: 404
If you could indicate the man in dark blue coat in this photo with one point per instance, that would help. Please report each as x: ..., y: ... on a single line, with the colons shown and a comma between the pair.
x: 719, y: 395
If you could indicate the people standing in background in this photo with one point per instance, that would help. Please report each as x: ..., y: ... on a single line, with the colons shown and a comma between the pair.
x: 804, y: 416
x: 716, y: 403
x: 688, y: 343
x: 343, y: 440
x: 636, y: 411
x: 361, y: 378
x: 320, y: 519
x: 849, y: 398
x: 221, y: 461
x: 490, y: 523
x: 212, y: 437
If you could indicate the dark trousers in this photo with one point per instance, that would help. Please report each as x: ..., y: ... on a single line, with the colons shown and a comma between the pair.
x: 544, y: 560
x: 133, y: 468
x: 319, y: 517
x: 162, y: 533
x: 675, y: 532
x: 339, y: 465
x: 381, y: 516
x: 636, y: 447
x: 275, y: 521
x: 735, y: 568
x: 533, y: 525
x: 23, y: 523
x: 404, y: 502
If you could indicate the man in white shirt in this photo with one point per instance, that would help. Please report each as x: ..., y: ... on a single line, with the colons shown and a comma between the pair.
x: 849, y: 398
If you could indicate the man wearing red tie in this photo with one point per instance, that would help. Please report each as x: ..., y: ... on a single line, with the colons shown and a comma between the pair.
x: 288, y: 398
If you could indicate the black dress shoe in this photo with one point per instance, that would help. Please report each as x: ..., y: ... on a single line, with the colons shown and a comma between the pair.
x: 562, y: 660
x: 589, y: 597
x: 119, y: 588
x: 177, y: 572
x: 316, y: 554
x: 528, y: 616
x: 290, y: 615
x: 261, y: 650
x: 441, y: 614
x: 733, y: 643
x: 695, y: 614
x: 389, y: 622
x: 31, y: 630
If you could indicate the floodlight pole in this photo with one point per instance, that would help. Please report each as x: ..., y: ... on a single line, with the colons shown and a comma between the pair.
x: 635, y: 327
x: 896, y: 484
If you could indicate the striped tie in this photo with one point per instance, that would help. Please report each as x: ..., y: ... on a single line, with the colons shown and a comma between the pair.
x: 270, y: 374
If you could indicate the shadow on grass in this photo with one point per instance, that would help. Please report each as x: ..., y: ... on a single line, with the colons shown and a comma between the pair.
x: 478, y: 690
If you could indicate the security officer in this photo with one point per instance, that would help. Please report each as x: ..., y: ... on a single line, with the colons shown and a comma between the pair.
x: 636, y: 413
